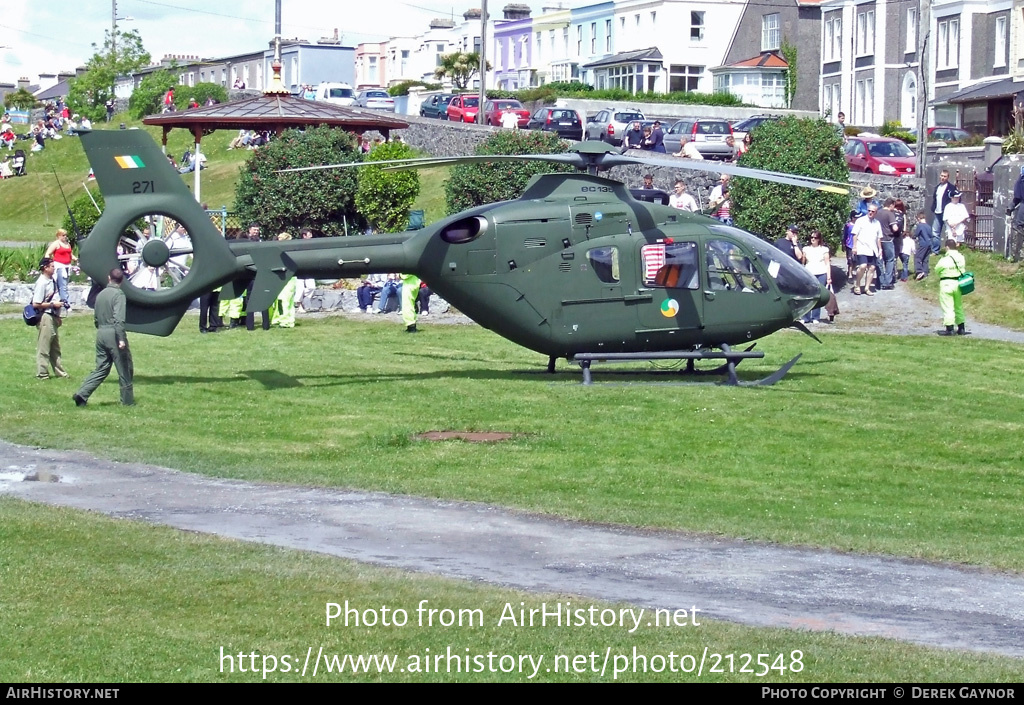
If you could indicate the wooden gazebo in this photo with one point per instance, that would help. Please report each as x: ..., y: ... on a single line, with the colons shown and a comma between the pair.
x: 277, y: 110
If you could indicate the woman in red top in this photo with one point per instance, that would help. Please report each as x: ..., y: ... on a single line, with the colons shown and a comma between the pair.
x: 60, y: 252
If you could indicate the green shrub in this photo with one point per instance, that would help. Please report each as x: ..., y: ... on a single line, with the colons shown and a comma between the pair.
x: 323, y: 199
x: 148, y: 98
x: 570, y: 86
x: 201, y: 92
x: 403, y: 87
x: 85, y: 214
x: 793, y: 146
x: 384, y: 198
x: 891, y: 128
x: 476, y: 184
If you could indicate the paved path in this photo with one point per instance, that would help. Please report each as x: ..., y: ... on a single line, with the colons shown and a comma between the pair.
x: 743, y: 582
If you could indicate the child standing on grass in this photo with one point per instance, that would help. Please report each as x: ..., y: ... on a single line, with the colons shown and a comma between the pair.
x: 923, y: 246
x: 907, y: 250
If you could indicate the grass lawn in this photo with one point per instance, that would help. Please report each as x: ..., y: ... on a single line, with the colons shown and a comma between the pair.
x: 854, y: 450
x: 91, y: 599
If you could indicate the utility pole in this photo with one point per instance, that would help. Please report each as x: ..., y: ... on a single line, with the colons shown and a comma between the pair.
x: 113, y: 46
x: 924, y: 29
x: 480, y: 117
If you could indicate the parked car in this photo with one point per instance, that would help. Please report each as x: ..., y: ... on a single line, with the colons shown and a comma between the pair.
x: 336, y: 94
x: 376, y: 98
x: 610, y: 123
x: 565, y: 122
x: 947, y: 134
x: 436, y: 106
x: 707, y: 135
x: 493, y: 110
x: 463, y: 108
x: 740, y: 128
x: 879, y: 155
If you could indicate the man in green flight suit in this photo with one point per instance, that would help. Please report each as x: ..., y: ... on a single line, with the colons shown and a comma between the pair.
x: 111, y: 343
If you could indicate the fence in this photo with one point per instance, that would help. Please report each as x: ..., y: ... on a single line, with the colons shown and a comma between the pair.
x: 228, y: 222
x: 976, y: 195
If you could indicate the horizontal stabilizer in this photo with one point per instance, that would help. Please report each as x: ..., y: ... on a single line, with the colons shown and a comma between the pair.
x: 273, y: 270
x: 154, y: 321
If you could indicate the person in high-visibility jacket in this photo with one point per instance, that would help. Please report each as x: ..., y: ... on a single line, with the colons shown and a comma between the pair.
x: 282, y: 313
x: 949, y: 269
x: 410, y: 290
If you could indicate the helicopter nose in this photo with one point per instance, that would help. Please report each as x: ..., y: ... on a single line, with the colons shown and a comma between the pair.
x: 823, y: 296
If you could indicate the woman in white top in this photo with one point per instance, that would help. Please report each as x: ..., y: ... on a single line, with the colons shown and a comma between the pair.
x: 955, y: 216
x: 818, y: 263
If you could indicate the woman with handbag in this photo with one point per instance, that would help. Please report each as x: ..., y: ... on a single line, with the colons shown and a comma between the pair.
x: 818, y: 263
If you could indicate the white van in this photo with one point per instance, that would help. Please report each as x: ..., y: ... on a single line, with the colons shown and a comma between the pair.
x: 336, y: 93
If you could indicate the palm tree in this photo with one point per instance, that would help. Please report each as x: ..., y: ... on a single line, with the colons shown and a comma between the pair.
x: 459, y: 67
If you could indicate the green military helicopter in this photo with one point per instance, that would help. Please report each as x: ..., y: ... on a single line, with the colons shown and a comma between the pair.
x: 574, y: 268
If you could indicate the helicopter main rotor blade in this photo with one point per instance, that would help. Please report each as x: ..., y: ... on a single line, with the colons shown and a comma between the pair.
x: 427, y: 162
x: 610, y: 160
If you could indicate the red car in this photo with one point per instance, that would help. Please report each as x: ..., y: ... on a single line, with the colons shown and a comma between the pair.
x: 494, y: 109
x: 879, y: 155
x: 463, y: 108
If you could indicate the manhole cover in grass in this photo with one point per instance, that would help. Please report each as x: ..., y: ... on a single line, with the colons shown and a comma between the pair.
x: 471, y: 436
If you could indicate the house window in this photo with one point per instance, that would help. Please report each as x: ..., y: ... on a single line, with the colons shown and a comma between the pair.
x: 593, y: 38
x: 608, y: 36
x: 911, y: 30
x: 372, y: 71
x: 551, y: 41
x: 697, y: 26
x: 405, y: 61
x: 865, y: 105
x: 771, y: 36
x: 565, y: 39
x: 866, y: 33
x: 948, y: 46
x: 833, y: 39
x: 579, y: 40
x: 1000, y: 43
x: 684, y: 78
x: 654, y: 18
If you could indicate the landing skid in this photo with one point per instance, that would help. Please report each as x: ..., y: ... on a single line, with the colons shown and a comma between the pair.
x: 728, y: 369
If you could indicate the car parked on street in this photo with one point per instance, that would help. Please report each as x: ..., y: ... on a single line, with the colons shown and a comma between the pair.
x: 610, y: 124
x: 463, y: 108
x: 494, y: 109
x: 436, y: 106
x: 740, y: 128
x: 947, y: 134
x: 563, y: 121
x: 336, y: 94
x: 707, y: 135
x: 879, y: 155
x: 376, y: 98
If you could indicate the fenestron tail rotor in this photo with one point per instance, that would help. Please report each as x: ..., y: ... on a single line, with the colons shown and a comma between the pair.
x: 153, y: 229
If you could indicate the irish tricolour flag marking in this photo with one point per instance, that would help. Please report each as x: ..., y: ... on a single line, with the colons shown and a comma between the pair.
x: 129, y: 162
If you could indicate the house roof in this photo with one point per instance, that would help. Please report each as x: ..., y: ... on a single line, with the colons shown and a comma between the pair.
x: 650, y: 55
x: 275, y: 112
x: 1002, y: 88
x: 58, y: 90
x: 764, y: 60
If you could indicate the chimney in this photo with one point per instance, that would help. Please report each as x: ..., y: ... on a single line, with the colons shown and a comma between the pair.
x: 516, y: 12
x: 23, y: 82
x: 473, y: 14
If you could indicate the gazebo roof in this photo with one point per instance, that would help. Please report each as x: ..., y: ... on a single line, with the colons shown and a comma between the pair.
x: 277, y: 113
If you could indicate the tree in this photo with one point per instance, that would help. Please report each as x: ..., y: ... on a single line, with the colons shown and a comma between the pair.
x: 476, y: 184
x: 459, y: 67
x: 86, y: 215
x: 200, y: 92
x: 20, y: 99
x: 89, y: 92
x: 794, y: 146
x: 384, y: 198
x: 323, y: 200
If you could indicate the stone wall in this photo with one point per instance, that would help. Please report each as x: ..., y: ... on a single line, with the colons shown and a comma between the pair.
x: 320, y: 301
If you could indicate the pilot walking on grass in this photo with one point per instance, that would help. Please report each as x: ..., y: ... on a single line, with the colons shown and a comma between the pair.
x: 111, y: 343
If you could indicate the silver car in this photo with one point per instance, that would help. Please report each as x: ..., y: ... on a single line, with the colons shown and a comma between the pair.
x: 376, y: 98
x: 610, y: 124
x: 707, y: 135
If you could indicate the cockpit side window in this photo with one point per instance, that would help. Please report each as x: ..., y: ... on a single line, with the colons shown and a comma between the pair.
x: 605, y: 263
x: 730, y: 269
x: 672, y: 265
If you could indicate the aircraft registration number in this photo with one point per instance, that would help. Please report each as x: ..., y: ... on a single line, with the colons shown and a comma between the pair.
x: 143, y: 187
x: 596, y: 189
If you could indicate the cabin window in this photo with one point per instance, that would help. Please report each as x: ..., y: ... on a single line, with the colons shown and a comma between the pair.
x: 465, y: 230
x: 730, y: 269
x: 605, y: 263
x: 672, y: 265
